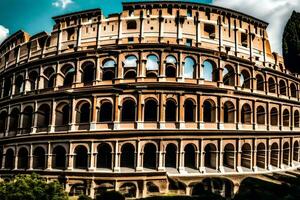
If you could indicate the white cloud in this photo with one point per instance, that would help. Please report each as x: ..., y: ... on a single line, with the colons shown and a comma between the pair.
x: 3, y: 33
x: 62, y: 3
x: 275, y: 12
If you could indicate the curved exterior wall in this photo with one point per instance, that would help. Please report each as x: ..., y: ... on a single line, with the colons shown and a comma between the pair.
x: 132, y: 102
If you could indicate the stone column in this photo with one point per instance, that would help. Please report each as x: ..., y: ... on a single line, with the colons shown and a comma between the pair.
x: 117, y: 158
x: 30, y: 157
x: 53, y: 117
x: 139, y: 160
x: 70, y: 157
x: 92, y: 154
x: 49, y: 157
x: 93, y: 124
x: 181, y: 110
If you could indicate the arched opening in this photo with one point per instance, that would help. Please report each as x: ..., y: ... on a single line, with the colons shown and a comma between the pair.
x: 274, y: 155
x: 246, y: 156
x: 88, y: 73
x: 152, y: 188
x: 210, y: 156
x: 171, y: 111
x: 286, y: 153
x: 130, y: 74
x: 246, y: 114
x: 23, y: 161
x: 131, y: 25
x: 296, y: 151
x: 274, y: 117
x: 171, y: 67
x: 7, y: 87
x: 293, y: 90
x: 190, y: 156
x: 69, y: 74
x: 63, y: 114
x: 209, y: 111
x: 49, y: 77
x: 229, y: 112
x: 245, y: 79
x: 189, y: 111
x: 130, y: 65
x: 3, y: 121
x: 189, y: 67
x: 83, y: 113
x: 296, y: 119
x: 128, y: 156
x: 261, y: 156
x: 43, y: 115
x: 261, y: 115
x: 33, y: 79
x: 108, y: 70
x: 228, y: 156
x: 228, y: 76
x: 152, y: 66
x: 150, y: 156
x: 282, y: 87
x: 150, y: 113
x: 286, y: 117
x: 106, y: 112
x: 104, y: 156
x: 128, y: 190
x: 128, y: 111
x: 27, y: 119
x: 81, y: 157
x: 19, y: 85
x: 210, y: 72
x: 171, y: 156
x: 14, y: 120
x: 260, y: 83
x: 39, y: 161
x: 59, y: 158
x: 272, y: 85
x: 9, y: 159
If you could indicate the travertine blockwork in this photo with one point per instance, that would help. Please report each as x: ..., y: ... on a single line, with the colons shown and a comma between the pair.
x: 158, y: 93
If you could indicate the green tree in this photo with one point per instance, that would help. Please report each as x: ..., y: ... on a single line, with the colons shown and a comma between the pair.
x: 31, y: 187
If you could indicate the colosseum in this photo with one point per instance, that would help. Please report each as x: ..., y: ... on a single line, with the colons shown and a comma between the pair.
x: 164, y: 97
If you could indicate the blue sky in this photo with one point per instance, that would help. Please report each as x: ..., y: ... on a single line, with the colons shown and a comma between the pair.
x: 34, y: 16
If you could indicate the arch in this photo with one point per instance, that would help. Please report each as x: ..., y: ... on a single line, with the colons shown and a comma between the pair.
x: 130, y: 74
x: 128, y: 111
x: 190, y: 156
x: 296, y: 119
x: 33, y: 79
x: 286, y: 117
x: 189, y: 67
x: 49, y: 77
x: 189, y: 111
x: 246, y: 114
x: 274, y: 117
x: 7, y: 87
x: 261, y: 156
x: 210, y: 156
x: 171, y: 111
x: 83, y: 112
x: 229, y: 156
x: 131, y: 25
x: 229, y: 75
x: 209, y: 111
x: 80, y: 157
x: 293, y: 89
x: 3, y: 121
x: 62, y: 114
x: 246, y: 156
x: 150, y: 112
x: 104, y: 156
x: 14, y: 120
x: 19, y: 84
x: 131, y: 61
x: 9, y: 159
x: 296, y: 151
x: 274, y: 155
x: 23, y: 160
x: 152, y: 62
x: 43, y: 116
x: 88, y: 72
x: 109, y: 66
x: 129, y: 190
x: 128, y: 156
x: 39, y: 160
x: 59, y: 158
x: 171, y: 66
x: 171, y: 156
x: 272, y: 85
x: 229, y: 112
x: 106, y: 112
x: 150, y: 156
x: 152, y: 188
x: 27, y: 119
x: 245, y: 79
x: 260, y: 83
x: 209, y: 71
x: 260, y: 115
x: 282, y: 87
x: 69, y: 73
x: 286, y: 153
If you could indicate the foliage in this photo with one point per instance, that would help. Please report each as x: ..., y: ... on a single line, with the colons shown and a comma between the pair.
x: 84, y: 197
x: 111, y: 195
x: 31, y: 187
x: 291, y: 43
